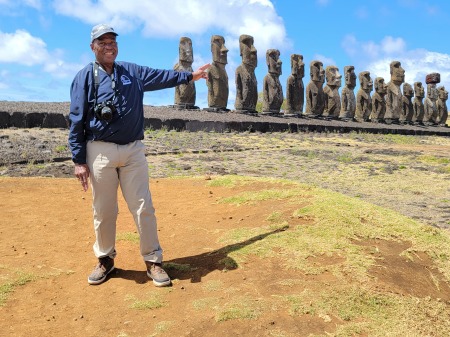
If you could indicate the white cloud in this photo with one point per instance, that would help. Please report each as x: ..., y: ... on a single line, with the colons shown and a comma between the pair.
x: 323, y: 2
x: 376, y: 58
x: 173, y: 18
x: 327, y: 61
x: 23, y: 48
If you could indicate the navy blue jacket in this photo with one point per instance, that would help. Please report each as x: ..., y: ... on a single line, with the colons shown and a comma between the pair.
x: 127, y: 125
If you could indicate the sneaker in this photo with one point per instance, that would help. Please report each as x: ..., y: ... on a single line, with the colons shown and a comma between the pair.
x: 102, y: 269
x: 157, y: 274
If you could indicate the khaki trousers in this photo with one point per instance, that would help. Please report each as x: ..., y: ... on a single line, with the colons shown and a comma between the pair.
x: 112, y: 165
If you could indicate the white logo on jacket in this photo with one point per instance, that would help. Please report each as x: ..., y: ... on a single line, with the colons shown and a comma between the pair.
x: 125, y: 80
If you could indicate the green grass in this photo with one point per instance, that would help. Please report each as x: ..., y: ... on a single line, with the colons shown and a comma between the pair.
x: 7, y: 288
x: 152, y: 301
x: 337, y: 223
x: 128, y: 236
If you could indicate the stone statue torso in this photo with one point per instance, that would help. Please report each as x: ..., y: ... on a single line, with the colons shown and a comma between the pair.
x: 332, y: 104
x: 185, y: 93
x: 407, y: 110
x: 393, y: 102
x: 314, y: 99
x: 295, y: 94
x: 363, y: 106
x: 431, y: 113
x: 246, y: 88
x: 442, y: 111
x: 273, y: 93
x: 348, y: 103
x: 378, y: 107
x: 217, y: 86
x: 419, y: 110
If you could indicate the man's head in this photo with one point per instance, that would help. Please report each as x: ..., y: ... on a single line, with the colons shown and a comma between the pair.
x: 408, y: 90
x: 103, y: 44
x: 380, y: 86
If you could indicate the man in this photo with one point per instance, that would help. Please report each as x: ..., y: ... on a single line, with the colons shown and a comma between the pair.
x: 107, y: 126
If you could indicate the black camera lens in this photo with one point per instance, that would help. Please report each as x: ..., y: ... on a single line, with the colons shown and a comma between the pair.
x: 107, y: 114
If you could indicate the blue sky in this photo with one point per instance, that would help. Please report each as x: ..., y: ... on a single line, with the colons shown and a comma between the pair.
x: 44, y: 43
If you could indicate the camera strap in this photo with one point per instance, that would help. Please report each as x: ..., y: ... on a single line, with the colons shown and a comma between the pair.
x: 96, y: 69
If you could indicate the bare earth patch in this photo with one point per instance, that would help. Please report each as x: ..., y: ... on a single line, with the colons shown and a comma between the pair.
x: 46, y: 237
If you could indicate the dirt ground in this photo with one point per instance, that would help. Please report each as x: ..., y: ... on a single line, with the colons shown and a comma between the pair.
x: 46, y: 233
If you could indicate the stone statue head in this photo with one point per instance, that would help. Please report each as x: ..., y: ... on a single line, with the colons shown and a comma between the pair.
x: 297, y: 65
x: 273, y: 61
x: 443, y: 94
x: 317, y: 72
x: 185, y: 50
x: 432, y: 92
x: 380, y: 86
x: 365, y: 81
x: 397, y: 72
x: 408, y: 90
x: 248, y: 51
x: 218, y: 49
x: 333, y: 76
x: 350, y: 76
x: 419, y: 90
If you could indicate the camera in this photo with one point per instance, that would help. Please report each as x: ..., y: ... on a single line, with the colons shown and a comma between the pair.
x: 105, y: 110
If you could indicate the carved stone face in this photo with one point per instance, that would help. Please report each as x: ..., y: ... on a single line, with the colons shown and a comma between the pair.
x: 432, y: 92
x: 419, y: 90
x: 218, y: 49
x: 297, y: 65
x: 317, y: 72
x: 397, y: 72
x: 380, y: 86
x: 333, y: 76
x: 365, y: 81
x: 185, y: 50
x: 350, y: 76
x: 273, y: 61
x: 443, y: 94
x: 248, y: 51
x: 408, y: 90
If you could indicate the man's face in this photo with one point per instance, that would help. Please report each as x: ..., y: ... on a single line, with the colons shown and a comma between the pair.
x: 105, y: 49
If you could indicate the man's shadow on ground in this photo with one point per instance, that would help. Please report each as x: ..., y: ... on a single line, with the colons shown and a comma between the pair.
x: 197, y: 266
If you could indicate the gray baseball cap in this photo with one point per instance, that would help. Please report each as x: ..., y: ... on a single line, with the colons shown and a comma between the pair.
x: 101, y: 29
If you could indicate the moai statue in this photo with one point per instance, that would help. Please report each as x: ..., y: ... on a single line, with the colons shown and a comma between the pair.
x: 217, y: 76
x: 394, y: 94
x: 407, y: 114
x: 185, y: 93
x: 332, y: 103
x: 295, y: 90
x: 442, y: 106
x: 378, y: 101
x: 419, y: 110
x: 431, y: 113
x: 272, y: 90
x: 348, y: 100
x: 246, y: 83
x: 363, y: 99
x: 314, y: 90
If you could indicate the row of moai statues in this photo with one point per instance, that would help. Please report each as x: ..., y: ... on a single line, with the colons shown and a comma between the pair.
x: 387, y: 105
